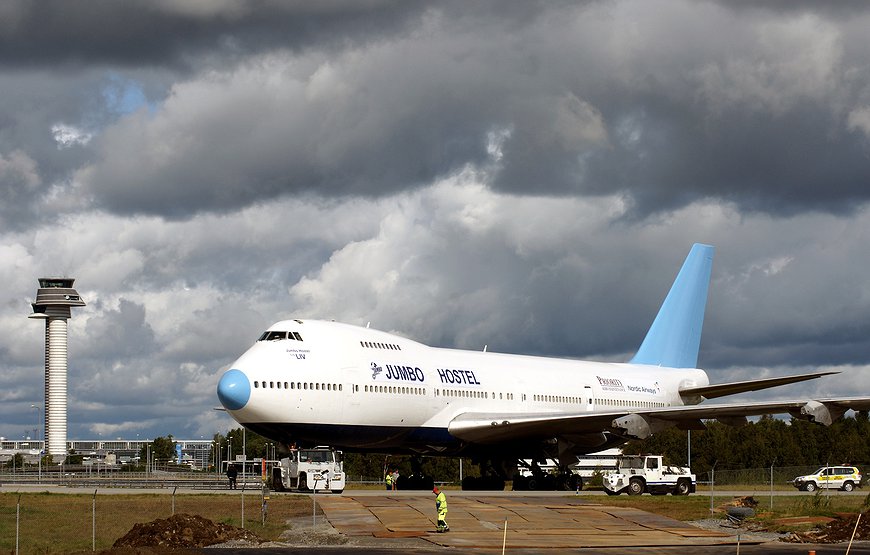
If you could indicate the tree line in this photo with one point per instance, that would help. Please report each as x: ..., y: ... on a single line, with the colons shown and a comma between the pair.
x: 768, y: 442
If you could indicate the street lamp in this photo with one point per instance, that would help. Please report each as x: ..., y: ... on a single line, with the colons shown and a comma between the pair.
x: 38, y: 437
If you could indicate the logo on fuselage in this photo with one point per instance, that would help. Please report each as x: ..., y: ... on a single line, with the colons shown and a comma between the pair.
x: 399, y: 373
x: 610, y: 384
x: 376, y: 370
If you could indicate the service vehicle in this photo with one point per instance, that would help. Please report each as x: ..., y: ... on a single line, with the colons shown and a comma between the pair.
x: 315, y: 469
x: 844, y: 477
x: 637, y: 474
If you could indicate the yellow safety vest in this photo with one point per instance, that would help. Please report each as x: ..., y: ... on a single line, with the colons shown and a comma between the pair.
x: 389, y: 479
x: 441, y: 502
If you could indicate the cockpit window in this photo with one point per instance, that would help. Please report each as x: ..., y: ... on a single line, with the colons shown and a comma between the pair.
x: 279, y: 335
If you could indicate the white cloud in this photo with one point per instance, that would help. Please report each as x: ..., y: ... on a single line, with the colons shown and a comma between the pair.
x: 67, y: 136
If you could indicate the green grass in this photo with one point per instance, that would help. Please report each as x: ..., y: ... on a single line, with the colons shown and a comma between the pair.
x: 62, y: 523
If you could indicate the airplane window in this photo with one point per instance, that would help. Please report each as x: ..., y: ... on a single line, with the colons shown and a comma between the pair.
x: 271, y: 385
x: 296, y: 335
x: 273, y: 336
x: 339, y: 387
x: 362, y: 344
x: 256, y: 384
x: 305, y: 386
x: 317, y: 386
x: 285, y: 385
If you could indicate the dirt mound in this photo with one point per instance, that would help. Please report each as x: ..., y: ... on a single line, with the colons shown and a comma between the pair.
x: 180, y: 531
x: 838, y: 530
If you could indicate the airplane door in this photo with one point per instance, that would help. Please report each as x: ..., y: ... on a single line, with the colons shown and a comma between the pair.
x: 350, y: 376
x: 588, y: 398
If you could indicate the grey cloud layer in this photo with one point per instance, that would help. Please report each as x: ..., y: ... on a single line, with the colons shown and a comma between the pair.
x: 576, y: 101
x: 527, y: 176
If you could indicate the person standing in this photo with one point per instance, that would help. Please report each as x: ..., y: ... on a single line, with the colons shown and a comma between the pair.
x: 441, y: 508
x: 388, y: 479
x: 231, y: 475
x: 395, y: 479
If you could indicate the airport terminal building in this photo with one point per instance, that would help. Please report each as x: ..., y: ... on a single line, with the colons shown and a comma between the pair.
x: 198, y: 454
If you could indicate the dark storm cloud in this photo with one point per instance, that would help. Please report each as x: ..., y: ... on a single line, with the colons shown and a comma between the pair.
x: 137, y: 32
x: 558, y: 104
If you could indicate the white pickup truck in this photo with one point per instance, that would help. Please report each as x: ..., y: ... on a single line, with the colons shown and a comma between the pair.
x: 637, y: 474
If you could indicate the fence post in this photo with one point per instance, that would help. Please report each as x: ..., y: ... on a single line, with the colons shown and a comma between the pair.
x: 17, y: 520
x: 94, y: 523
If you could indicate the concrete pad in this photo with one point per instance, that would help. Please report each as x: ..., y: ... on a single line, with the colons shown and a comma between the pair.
x: 532, y: 522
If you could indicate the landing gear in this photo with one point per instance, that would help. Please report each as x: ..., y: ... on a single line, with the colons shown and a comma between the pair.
x: 493, y: 474
x: 536, y: 479
x: 417, y: 480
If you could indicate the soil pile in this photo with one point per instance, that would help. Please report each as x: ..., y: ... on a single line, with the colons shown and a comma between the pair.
x: 182, y: 530
x: 837, y: 531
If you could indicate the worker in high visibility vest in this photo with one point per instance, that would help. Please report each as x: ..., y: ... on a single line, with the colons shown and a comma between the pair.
x: 389, y: 480
x: 441, y: 507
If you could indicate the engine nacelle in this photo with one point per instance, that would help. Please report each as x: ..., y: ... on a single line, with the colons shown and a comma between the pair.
x: 820, y: 413
x: 636, y: 426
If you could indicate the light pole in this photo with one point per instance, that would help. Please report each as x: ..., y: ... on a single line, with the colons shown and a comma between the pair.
x: 38, y: 437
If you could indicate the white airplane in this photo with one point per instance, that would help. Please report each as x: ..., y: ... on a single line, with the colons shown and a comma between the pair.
x: 363, y: 390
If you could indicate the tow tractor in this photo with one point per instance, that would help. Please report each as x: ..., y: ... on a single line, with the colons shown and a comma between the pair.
x: 315, y: 469
x: 637, y: 474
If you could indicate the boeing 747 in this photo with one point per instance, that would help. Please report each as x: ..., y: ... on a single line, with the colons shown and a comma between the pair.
x: 312, y: 382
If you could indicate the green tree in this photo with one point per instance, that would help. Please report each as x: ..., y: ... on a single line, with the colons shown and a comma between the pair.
x: 162, y: 450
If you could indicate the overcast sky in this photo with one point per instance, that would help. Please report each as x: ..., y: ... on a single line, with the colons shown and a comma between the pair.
x: 523, y: 175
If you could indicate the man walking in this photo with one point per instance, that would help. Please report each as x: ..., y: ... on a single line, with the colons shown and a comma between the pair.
x: 441, y: 508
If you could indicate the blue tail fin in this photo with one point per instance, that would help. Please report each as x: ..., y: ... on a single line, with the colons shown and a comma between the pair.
x: 675, y: 335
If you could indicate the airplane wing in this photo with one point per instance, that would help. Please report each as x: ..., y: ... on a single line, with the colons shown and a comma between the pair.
x: 492, y: 428
x: 723, y: 389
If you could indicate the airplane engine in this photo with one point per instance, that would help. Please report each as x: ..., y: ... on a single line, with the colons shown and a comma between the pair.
x: 820, y: 413
x: 636, y: 426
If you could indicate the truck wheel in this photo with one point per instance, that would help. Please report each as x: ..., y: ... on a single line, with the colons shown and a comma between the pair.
x: 848, y: 486
x: 810, y: 486
x: 635, y: 486
x: 683, y: 487
x: 277, y: 484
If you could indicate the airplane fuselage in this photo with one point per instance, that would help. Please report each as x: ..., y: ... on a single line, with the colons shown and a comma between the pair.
x: 361, y: 389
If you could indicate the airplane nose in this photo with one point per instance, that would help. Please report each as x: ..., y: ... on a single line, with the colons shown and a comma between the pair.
x: 234, y: 389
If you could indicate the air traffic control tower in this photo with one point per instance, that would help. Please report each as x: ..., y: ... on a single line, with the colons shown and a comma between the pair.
x: 54, y: 299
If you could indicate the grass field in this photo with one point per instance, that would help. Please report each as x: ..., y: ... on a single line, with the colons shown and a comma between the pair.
x: 64, y: 523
